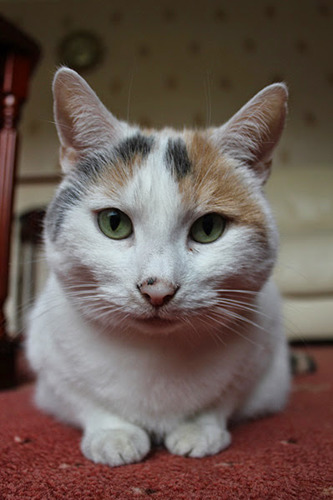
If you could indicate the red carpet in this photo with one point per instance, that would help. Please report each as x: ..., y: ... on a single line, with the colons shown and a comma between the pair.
x: 287, y: 456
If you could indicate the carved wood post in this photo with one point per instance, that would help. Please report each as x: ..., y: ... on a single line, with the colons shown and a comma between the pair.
x: 18, y: 55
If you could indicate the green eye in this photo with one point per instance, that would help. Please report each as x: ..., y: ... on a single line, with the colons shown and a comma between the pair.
x: 208, y: 228
x: 114, y: 224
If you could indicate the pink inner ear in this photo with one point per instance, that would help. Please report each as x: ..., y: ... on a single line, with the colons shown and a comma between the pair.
x: 251, y: 135
x: 68, y: 158
x: 83, y: 123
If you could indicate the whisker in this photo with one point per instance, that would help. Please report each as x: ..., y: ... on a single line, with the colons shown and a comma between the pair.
x: 215, y: 334
x: 236, y: 331
x: 232, y: 290
x: 242, y: 306
x: 208, y: 99
x: 239, y: 317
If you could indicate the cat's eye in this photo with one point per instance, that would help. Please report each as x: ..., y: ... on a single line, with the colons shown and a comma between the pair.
x: 208, y: 228
x: 114, y: 224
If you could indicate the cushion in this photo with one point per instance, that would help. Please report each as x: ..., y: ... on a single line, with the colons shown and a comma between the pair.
x: 302, y: 198
x: 305, y: 264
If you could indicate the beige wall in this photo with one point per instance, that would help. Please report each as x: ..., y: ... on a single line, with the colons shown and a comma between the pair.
x: 187, y: 62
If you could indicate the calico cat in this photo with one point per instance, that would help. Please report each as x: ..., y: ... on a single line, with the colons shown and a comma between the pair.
x: 159, y: 319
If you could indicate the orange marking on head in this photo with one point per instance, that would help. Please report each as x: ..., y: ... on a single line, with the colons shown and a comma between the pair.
x: 215, y: 185
x: 120, y: 173
x: 130, y: 156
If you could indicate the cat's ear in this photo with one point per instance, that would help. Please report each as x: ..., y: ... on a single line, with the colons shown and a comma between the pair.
x: 83, y: 123
x: 251, y: 135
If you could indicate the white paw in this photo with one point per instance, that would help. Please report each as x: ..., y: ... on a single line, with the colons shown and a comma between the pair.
x: 116, y: 446
x: 197, y: 440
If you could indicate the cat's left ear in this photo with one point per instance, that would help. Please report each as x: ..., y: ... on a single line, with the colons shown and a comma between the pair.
x: 251, y: 135
x: 83, y: 122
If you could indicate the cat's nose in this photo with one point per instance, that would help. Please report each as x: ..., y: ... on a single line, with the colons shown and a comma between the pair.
x: 157, y: 291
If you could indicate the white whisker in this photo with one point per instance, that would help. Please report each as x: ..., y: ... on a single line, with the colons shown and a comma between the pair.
x: 239, y: 317
x: 228, y: 326
x: 244, y: 306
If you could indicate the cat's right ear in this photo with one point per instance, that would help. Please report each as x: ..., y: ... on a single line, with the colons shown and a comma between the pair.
x: 83, y: 123
x: 251, y: 135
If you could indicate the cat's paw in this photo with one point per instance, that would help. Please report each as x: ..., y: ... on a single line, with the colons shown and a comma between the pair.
x: 116, y: 446
x: 197, y: 440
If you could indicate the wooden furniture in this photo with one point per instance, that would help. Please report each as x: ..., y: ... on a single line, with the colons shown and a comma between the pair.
x: 18, y: 57
x: 30, y: 230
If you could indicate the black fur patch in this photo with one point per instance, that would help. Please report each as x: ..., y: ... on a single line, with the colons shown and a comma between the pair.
x: 130, y: 147
x: 55, y: 215
x: 91, y: 167
x: 87, y: 172
x: 83, y: 175
x: 177, y: 158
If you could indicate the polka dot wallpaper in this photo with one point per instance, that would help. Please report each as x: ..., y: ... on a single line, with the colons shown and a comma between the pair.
x: 186, y: 63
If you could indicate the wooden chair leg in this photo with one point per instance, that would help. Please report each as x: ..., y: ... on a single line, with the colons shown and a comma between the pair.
x: 19, y: 54
x: 8, y: 142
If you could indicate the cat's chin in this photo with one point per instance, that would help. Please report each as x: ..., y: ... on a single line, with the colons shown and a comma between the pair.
x: 155, y: 324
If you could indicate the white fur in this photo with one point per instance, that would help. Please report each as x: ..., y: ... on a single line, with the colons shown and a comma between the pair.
x: 107, y: 364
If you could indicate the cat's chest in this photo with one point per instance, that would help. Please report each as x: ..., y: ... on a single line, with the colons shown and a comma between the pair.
x: 154, y: 382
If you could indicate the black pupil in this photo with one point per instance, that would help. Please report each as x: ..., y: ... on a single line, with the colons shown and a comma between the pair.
x: 207, y: 224
x: 114, y: 220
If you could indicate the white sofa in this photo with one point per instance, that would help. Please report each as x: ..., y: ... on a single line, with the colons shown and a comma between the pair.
x: 302, y: 200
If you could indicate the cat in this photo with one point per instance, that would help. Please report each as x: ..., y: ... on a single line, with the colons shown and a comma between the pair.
x: 159, y: 321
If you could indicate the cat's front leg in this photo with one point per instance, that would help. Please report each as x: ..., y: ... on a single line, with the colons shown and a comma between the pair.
x: 110, y: 440
x: 205, y: 434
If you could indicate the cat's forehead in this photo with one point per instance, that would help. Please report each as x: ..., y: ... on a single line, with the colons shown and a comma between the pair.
x: 190, y: 172
x: 184, y: 155
x: 166, y: 149
x: 187, y: 161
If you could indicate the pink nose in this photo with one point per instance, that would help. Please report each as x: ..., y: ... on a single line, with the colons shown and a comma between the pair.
x: 157, y: 292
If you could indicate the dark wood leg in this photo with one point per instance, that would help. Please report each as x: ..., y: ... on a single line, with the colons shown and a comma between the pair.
x: 8, y: 142
x: 18, y: 55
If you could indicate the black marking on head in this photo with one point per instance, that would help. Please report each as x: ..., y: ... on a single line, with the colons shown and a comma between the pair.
x: 87, y: 172
x: 55, y: 215
x: 137, y: 144
x: 83, y: 175
x: 177, y: 157
x: 90, y: 168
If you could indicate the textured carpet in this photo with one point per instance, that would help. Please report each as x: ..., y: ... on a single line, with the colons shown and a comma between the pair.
x: 287, y: 456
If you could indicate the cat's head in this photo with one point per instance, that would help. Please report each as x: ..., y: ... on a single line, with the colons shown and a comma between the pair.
x: 157, y: 228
